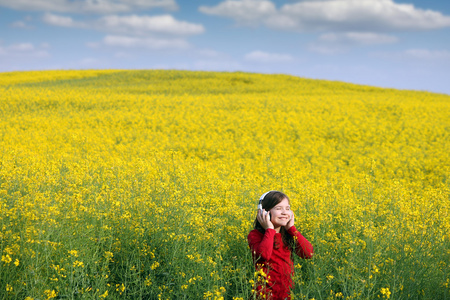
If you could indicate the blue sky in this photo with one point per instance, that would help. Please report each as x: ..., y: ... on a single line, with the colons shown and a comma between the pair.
x: 403, y: 44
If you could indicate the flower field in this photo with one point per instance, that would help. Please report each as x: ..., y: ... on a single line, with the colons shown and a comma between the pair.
x: 144, y: 184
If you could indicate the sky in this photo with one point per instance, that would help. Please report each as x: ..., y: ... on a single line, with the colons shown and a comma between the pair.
x: 401, y: 44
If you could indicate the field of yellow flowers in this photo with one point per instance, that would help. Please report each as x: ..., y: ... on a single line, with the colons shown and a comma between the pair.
x: 143, y: 184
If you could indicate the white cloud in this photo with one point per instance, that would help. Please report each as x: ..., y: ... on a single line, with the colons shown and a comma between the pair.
x: 333, y: 43
x: 142, y: 25
x: 426, y: 54
x: 19, y: 24
x: 244, y: 11
x: 366, y: 15
x: 417, y: 55
x: 331, y: 15
x: 23, y: 50
x: 63, y: 21
x: 326, y: 49
x: 265, y: 57
x: 131, y: 25
x: 22, y: 23
x: 362, y: 38
x: 152, y: 32
x: 88, y: 6
x: 22, y: 47
x: 145, y: 42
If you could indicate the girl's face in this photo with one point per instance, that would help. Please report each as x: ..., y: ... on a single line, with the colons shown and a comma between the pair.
x: 281, y: 213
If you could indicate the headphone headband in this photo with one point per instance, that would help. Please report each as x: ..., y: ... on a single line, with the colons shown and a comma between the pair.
x: 264, y: 195
x: 262, y: 198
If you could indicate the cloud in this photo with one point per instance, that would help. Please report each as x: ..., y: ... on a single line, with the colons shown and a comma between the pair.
x: 244, y: 12
x: 22, y: 23
x: 145, y: 42
x: 425, y: 54
x: 88, y: 6
x: 362, y: 38
x: 333, y: 43
x: 130, y: 25
x: 417, y: 55
x: 149, y: 32
x: 331, y: 15
x: 19, y: 24
x: 24, y: 50
x: 326, y: 49
x: 62, y: 21
x: 265, y: 57
x: 142, y: 25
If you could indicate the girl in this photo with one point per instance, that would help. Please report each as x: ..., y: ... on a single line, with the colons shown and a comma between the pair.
x: 272, y: 242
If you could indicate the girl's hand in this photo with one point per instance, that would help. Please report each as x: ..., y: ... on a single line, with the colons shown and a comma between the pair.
x: 291, y: 221
x: 263, y: 218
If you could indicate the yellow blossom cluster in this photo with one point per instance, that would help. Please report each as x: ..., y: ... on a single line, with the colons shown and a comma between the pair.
x: 144, y: 184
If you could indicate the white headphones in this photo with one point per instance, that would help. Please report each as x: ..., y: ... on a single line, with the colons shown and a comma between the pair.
x: 262, y: 198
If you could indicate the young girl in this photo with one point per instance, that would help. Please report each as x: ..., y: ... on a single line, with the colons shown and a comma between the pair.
x: 272, y: 242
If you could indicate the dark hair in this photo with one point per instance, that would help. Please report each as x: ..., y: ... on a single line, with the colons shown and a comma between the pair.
x: 271, y: 199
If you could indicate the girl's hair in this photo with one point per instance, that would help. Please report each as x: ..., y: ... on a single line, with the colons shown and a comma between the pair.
x: 270, y: 200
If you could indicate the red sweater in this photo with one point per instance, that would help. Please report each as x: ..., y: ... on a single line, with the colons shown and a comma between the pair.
x: 273, y: 258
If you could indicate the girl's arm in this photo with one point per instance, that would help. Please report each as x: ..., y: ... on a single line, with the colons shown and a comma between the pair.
x: 261, y: 244
x: 303, y: 247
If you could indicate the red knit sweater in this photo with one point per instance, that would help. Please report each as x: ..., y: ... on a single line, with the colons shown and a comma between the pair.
x: 273, y: 258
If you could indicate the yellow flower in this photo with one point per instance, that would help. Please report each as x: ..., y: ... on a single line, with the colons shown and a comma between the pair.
x: 386, y: 293
x: 104, y: 295
x: 6, y: 258
x: 154, y: 265
x: 78, y: 264
x: 108, y: 255
x: 120, y: 288
x: 50, y: 294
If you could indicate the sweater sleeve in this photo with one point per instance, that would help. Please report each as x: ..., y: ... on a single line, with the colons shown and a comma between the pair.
x: 261, y: 244
x: 303, y: 247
